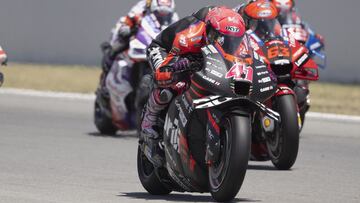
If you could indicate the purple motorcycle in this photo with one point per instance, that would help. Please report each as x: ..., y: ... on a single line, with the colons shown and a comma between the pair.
x: 128, y: 83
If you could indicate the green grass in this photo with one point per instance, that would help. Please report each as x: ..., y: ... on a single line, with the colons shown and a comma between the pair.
x: 325, y: 97
x: 335, y: 98
x: 53, y: 78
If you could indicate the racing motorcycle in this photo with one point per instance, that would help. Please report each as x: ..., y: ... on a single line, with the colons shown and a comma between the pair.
x: 207, y: 129
x: 316, y: 50
x: 1, y: 79
x: 119, y: 112
x: 290, y: 61
x: 310, y: 40
x: 4, y: 63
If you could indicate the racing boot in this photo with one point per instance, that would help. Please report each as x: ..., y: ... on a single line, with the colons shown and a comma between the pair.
x: 150, y: 127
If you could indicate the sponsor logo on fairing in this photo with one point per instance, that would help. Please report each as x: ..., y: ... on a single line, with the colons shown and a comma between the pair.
x: 302, y: 60
x: 265, y: 80
x: 182, y: 116
x: 211, y: 80
x: 266, y: 89
x: 262, y: 73
x: 214, y: 72
x: 172, y: 130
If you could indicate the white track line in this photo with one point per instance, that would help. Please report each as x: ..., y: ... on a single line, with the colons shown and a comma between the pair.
x: 334, y: 117
x: 91, y: 97
x: 47, y: 94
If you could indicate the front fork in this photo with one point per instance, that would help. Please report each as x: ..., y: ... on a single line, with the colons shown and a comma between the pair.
x: 268, y: 124
x: 303, y: 97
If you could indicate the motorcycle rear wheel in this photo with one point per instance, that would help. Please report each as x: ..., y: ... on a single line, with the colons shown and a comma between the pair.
x: 148, y: 177
x: 284, y: 147
x: 227, y: 176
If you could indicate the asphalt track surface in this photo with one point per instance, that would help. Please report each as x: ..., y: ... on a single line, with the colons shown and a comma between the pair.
x: 50, y: 152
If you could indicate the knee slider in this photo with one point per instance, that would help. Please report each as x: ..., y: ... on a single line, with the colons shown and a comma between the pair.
x: 165, y: 96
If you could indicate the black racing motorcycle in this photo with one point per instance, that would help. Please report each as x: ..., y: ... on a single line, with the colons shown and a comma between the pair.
x: 207, y: 131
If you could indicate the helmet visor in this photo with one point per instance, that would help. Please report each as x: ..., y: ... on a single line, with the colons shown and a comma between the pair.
x: 229, y: 44
x: 163, y: 18
x: 267, y: 28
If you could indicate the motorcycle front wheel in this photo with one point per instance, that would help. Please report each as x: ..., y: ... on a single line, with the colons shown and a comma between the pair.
x: 102, y: 122
x: 148, y: 177
x: 227, y: 175
x: 284, y: 144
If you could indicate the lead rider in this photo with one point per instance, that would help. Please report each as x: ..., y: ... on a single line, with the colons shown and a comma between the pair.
x: 177, y: 49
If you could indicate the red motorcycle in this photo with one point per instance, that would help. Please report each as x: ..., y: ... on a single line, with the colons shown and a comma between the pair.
x: 290, y: 61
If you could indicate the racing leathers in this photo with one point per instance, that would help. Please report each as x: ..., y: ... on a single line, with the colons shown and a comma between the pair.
x: 302, y: 28
x: 116, y: 49
x: 175, y: 50
x: 124, y: 29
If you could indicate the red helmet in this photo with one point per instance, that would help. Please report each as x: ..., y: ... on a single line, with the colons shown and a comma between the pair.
x: 261, y: 16
x: 225, y: 29
x: 284, y: 6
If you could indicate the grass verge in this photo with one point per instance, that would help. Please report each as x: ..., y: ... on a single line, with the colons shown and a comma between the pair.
x: 81, y: 79
x: 325, y: 97
x: 335, y: 98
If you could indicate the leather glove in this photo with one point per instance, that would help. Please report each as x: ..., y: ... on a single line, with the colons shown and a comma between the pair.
x: 164, y: 77
x: 181, y: 65
x: 125, y: 31
x: 190, y: 63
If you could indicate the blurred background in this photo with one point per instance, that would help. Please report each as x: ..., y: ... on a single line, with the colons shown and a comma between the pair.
x: 70, y: 31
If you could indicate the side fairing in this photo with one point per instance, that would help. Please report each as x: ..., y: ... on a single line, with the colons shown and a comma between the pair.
x: 264, y: 81
x: 183, y: 167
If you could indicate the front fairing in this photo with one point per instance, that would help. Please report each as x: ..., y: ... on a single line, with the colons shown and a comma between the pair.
x: 220, y: 75
x: 212, y: 75
x: 285, y: 56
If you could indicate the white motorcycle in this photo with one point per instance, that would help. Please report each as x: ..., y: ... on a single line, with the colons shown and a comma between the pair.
x: 127, y: 81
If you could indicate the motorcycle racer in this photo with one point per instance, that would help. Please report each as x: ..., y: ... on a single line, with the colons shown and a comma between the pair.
x: 262, y: 17
x: 3, y: 57
x: 288, y: 15
x: 126, y: 27
x: 178, y: 49
x: 3, y: 61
